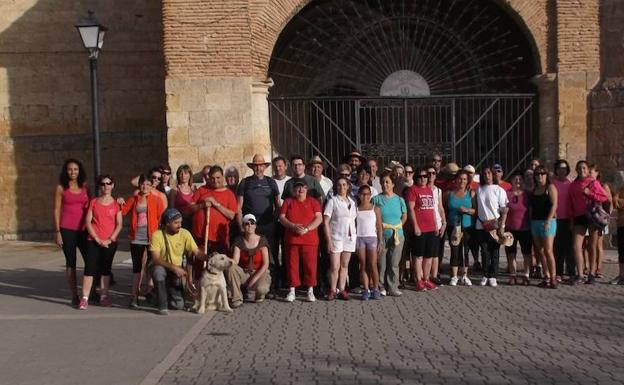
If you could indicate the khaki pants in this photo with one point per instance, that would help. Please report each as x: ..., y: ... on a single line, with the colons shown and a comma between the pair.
x: 236, y: 276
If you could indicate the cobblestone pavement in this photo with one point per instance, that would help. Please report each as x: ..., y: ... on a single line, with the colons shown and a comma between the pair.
x: 471, y: 335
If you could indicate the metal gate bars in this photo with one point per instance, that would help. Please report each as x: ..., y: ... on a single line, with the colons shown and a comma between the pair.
x: 468, y: 129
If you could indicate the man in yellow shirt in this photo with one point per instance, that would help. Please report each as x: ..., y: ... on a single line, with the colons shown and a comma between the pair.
x: 168, y: 247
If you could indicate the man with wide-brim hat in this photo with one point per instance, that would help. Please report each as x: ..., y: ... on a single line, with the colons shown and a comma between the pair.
x: 258, y: 195
x: 316, y: 167
x: 355, y: 159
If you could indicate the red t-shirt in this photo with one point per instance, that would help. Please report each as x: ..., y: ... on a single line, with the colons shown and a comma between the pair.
x: 505, y: 185
x: 219, y: 230
x: 302, y: 213
x: 423, y: 207
x: 104, y: 218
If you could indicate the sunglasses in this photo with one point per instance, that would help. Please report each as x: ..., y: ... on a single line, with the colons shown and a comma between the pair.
x: 166, y: 172
x: 253, y: 223
x: 106, y: 184
x: 424, y: 176
x: 409, y: 172
x: 432, y: 173
x: 156, y: 177
x: 541, y: 173
x: 345, y: 175
x: 437, y: 160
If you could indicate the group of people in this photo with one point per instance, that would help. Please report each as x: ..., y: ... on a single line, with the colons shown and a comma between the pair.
x: 302, y: 230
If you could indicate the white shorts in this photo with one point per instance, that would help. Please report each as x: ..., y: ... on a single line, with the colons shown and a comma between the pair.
x: 346, y: 245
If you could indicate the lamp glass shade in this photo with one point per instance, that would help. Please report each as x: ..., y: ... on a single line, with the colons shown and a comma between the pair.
x: 101, y: 38
x: 90, y: 35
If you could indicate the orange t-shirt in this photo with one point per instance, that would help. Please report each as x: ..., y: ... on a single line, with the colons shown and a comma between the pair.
x: 219, y: 230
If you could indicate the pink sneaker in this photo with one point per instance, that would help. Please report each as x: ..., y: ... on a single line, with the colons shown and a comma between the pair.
x: 84, y: 304
x: 105, y: 301
x: 421, y: 286
x: 430, y: 285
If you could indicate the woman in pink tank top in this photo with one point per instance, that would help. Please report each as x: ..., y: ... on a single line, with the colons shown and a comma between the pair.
x: 70, y: 202
x: 103, y: 222
x: 181, y: 195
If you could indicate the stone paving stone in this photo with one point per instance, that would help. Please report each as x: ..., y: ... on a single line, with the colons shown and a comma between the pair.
x: 471, y: 335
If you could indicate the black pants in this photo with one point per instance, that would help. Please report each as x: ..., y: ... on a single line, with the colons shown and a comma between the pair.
x: 136, y: 252
x: 461, y: 252
x: 270, y: 232
x: 99, y: 260
x: 564, y: 256
x: 620, y: 244
x: 490, y: 252
x: 72, y: 240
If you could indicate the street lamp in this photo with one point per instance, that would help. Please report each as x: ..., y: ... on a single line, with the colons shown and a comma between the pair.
x: 92, y: 35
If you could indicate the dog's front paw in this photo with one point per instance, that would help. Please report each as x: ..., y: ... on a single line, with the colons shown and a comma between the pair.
x: 211, y: 307
x: 201, y: 310
x: 227, y: 310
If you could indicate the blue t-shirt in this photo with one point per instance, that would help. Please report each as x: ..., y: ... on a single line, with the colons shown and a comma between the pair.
x: 259, y: 197
x: 453, y: 213
x: 392, y: 209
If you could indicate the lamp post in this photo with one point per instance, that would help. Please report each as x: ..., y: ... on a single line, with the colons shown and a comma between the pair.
x: 92, y: 35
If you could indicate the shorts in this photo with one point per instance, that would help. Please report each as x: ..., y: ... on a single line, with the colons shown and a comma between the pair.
x: 524, y: 238
x: 425, y: 245
x: 581, y: 221
x: 537, y: 228
x: 346, y: 245
x: 368, y: 243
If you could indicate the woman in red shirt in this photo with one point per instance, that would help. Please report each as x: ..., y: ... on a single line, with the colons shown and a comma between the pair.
x: 300, y: 217
x: 70, y: 204
x: 103, y: 222
x: 146, y: 209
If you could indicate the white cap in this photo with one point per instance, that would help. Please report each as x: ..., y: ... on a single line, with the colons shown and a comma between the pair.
x: 470, y: 168
x: 249, y: 217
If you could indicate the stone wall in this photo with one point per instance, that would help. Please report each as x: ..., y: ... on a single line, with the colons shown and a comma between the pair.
x: 45, y: 101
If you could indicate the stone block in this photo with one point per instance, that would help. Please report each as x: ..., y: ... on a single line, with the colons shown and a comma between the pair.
x: 216, y: 101
x: 177, y: 137
x: 178, y: 119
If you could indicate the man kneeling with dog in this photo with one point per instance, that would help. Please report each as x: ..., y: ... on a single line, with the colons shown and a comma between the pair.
x: 168, y: 246
x: 250, y: 270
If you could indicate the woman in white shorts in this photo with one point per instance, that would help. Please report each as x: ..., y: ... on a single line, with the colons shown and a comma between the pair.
x: 339, y: 225
x: 368, y: 243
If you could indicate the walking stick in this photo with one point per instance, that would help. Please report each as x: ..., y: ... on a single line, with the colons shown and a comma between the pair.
x: 206, y: 230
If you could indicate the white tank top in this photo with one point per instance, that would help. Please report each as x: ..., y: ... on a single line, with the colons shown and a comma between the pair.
x: 366, y: 223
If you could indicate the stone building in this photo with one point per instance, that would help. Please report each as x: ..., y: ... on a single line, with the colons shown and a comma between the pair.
x: 188, y: 81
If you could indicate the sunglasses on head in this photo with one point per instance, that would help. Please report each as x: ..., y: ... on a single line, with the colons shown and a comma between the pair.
x: 106, y: 183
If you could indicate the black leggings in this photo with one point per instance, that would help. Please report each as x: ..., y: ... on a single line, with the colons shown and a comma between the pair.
x: 620, y: 244
x: 73, y: 239
x: 136, y: 252
x: 460, y: 253
x: 99, y: 260
x: 490, y: 251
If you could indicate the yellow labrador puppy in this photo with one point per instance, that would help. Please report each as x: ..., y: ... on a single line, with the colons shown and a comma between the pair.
x: 213, y: 289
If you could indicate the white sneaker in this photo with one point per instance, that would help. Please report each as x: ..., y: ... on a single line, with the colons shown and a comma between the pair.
x: 382, y: 291
x: 311, y: 297
x: 484, y: 281
x: 467, y: 281
x: 454, y: 281
x: 492, y: 282
x: 291, y: 296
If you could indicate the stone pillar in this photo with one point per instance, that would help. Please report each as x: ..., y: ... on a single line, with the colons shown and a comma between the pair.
x: 260, y: 124
x: 548, y: 150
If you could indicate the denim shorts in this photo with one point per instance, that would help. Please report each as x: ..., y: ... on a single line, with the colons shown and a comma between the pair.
x: 369, y: 243
x: 537, y: 228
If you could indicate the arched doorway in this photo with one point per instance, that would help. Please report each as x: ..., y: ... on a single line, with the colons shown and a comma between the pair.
x: 399, y: 79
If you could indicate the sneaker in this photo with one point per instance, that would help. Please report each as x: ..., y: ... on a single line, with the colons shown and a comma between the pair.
x: 365, y: 295
x: 577, y: 280
x: 75, y: 301
x: 344, y: 295
x: 105, y: 301
x: 492, y: 282
x: 395, y: 293
x: 590, y: 280
x: 617, y: 281
x: 466, y: 281
x: 599, y: 274
x: 538, y: 272
x: 545, y: 283
x: 358, y: 290
x: 290, y: 297
x: 260, y: 299
x: 437, y: 280
x: 430, y: 285
x: 454, y: 281
x: 376, y: 294
x: 484, y: 281
x: 134, y: 303
x: 558, y: 279
x: 512, y: 280
x: 83, y: 304
x: 163, y: 311
x: 420, y: 286
x: 236, y: 304
x: 382, y: 291
x: 311, y: 297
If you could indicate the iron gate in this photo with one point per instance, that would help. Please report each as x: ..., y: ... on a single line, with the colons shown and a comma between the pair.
x: 467, y: 129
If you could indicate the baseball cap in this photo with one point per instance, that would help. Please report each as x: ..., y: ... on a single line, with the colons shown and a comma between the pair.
x: 497, y: 167
x: 300, y: 182
x: 470, y: 168
x: 248, y: 218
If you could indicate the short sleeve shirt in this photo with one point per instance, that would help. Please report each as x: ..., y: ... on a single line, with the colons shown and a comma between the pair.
x: 490, y: 199
x: 179, y: 244
x: 424, y: 207
x: 219, y: 224
x: 392, y: 209
x: 342, y: 216
x: 302, y: 213
x: 314, y: 188
x: 104, y: 218
x: 258, y: 197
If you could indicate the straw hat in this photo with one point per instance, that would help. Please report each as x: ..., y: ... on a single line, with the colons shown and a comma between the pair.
x: 356, y: 154
x: 456, y: 235
x: 506, y: 240
x: 316, y: 160
x: 451, y: 168
x: 258, y: 160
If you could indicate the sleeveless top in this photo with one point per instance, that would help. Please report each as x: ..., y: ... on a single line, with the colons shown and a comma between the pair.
x: 366, y: 221
x: 73, y: 209
x: 453, y: 213
x: 250, y: 259
x: 140, y: 237
x: 540, y: 206
x: 182, y: 201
